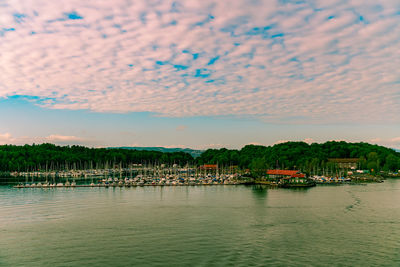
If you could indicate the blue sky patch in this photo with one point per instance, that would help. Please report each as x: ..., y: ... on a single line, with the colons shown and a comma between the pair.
x: 213, y: 60
x: 161, y: 63
x: 19, y: 18
x: 195, y: 56
x: 202, y: 73
x: 2, y: 31
x: 175, y: 7
x: 73, y: 15
x: 208, y: 19
x: 259, y: 30
x: 143, y: 18
x: 277, y: 35
x: 180, y: 67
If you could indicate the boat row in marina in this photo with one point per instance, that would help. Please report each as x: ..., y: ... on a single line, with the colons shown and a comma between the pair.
x: 46, y: 185
x: 140, y: 181
x: 321, y: 179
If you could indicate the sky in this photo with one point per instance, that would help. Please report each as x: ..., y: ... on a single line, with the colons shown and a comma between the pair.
x: 199, y: 74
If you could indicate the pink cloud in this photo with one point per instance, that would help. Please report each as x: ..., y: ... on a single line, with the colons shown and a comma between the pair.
x: 8, y: 138
x: 314, y: 70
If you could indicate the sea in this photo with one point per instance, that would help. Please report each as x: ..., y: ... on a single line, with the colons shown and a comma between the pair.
x: 221, y: 225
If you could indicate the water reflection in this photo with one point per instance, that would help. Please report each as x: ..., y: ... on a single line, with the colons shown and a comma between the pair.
x: 299, y: 189
x: 260, y: 191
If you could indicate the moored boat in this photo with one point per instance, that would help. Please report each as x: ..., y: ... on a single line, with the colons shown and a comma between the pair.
x: 298, y: 182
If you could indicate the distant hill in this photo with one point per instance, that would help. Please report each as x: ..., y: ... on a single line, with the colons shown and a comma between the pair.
x: 195, y: 153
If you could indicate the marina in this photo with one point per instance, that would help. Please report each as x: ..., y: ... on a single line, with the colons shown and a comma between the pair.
x: 162, y: 175
x: 130, y: 177
x: 127, y: 184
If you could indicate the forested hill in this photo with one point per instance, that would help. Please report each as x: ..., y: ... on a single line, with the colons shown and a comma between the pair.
x: 303, y: 156
x: 194, y: 152
x: 289, y: 155
x: 34, y: 157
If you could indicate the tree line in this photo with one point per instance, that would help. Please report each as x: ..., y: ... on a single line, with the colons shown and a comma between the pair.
x: 289, y: 155
x: 308, y: 158
x: 53, y: 157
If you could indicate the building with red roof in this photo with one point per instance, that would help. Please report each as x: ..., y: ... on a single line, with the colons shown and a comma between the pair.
x: 289, y: 178
x: 209, y: 167
x: 284, y: 174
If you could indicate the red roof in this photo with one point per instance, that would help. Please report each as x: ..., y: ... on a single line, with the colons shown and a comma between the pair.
x: 282, y: 172
x: 300, y: 175
x: 209, y: 166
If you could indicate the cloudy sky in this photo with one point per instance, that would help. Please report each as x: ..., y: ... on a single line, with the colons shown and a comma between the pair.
x: 199, y: 73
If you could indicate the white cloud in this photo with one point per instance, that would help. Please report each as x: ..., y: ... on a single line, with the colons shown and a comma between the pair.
x: 279, y: 62
x: 7, y: 138
x: 309, y: 140
x: 255, y: 143
x: 212, y: 146
x: 306, y: 140
x: 55, y: 138
x: 388, y: 142
x: 280, y: 142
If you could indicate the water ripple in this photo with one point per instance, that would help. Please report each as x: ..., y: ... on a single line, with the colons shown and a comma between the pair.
x: 199, y: 226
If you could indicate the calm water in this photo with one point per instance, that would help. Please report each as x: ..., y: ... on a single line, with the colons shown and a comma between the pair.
x: 349, y: 225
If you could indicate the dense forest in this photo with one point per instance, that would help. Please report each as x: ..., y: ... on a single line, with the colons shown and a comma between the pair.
x: 305, y: 157
x: 289, y: 155
x: 52, y: 157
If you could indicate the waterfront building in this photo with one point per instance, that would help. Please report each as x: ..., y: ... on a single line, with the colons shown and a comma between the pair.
x: 289, y: 178
x: 279, y: 174
x: 209, y: 167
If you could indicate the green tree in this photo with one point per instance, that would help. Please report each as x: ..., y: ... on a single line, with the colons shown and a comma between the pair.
x: 392, y: 162
x: 258, y: 167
